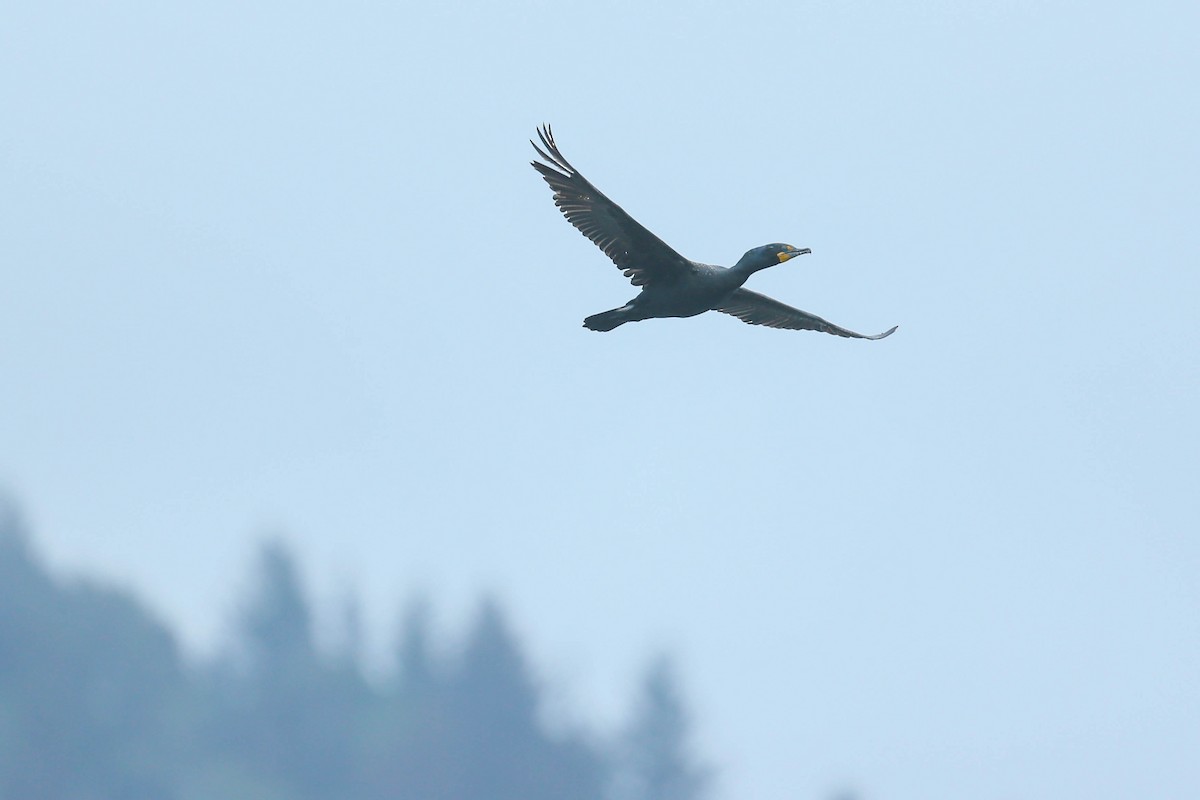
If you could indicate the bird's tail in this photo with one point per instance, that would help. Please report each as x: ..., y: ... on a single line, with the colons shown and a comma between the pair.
x: 607, y: 320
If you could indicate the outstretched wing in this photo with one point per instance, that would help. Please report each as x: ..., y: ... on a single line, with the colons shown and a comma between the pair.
x: 639, y: 253
x: 758, y: 309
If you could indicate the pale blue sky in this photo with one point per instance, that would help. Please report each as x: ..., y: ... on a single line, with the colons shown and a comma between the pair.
x: 284, y: 267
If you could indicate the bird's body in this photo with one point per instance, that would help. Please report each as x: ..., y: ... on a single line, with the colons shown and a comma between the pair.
x: 701, y: 290
x: 672, y: 286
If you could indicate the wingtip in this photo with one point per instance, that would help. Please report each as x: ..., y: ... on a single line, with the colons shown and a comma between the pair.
x: 886, y: 333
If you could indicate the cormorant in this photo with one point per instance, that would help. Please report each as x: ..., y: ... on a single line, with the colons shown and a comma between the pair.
x: 672, y: 286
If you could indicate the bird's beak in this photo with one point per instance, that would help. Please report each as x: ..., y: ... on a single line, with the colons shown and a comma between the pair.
x: 788, y: 254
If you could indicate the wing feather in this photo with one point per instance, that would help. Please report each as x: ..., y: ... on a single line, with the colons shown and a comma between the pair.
x: 641, y: 256
x: 758, y: 309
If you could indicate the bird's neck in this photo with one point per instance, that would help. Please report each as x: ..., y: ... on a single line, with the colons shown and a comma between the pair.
x: 748, y: 267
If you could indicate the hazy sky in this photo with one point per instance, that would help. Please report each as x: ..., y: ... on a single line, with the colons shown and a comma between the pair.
x: 283, y: 267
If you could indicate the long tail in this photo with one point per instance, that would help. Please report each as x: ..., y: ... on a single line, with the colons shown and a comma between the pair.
x: 607, y: 320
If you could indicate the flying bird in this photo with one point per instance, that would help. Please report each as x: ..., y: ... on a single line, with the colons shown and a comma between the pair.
x: 672, y: 286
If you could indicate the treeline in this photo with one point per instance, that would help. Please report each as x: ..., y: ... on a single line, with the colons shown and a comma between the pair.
x: 97, y: 703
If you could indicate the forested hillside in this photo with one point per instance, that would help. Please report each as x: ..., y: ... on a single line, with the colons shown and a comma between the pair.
x: 98, y: 702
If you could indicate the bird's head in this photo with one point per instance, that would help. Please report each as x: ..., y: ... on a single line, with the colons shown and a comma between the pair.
x: 768, y: 256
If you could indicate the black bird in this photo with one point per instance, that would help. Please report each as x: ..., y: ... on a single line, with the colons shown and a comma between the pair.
x: 672, y: 286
